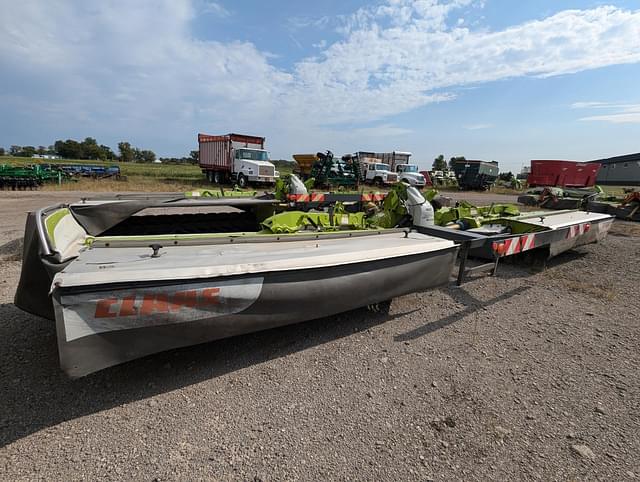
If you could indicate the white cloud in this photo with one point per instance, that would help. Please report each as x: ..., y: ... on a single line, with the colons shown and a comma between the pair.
x: 379, y: 71
x: 139, y: 75
x: 628, y: 118
x: 301, y: 22
x: 592, y: 105
x: 215, y: 8
x: 386, y: 130
x: 134, y: 69
x: 621, y: 114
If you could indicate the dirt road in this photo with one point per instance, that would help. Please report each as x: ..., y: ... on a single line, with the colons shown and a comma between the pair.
x: 522, y: 376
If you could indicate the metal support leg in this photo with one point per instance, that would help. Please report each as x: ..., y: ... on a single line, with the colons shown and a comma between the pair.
x: 495, y: 266
x: 464, y: 252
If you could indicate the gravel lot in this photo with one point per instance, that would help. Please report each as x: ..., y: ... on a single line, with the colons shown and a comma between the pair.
x: 528, y: 375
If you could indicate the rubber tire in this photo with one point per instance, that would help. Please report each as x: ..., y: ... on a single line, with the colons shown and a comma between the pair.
x: 210, y: 177
x: 242, y: 181
x: 217, y: 177
x: 380, y: 308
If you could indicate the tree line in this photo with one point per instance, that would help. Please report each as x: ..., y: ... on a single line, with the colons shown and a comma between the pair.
x: 440, y: 164
x: 86, y: 149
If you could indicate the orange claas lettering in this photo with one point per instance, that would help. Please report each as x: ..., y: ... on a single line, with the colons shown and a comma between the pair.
x: 158, y: 303
x: 152, y: 303
x: 210, y: 296
x: 128, y: 307
x: 103, y: 308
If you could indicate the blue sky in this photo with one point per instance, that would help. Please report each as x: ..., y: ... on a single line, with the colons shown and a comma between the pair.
x: 491, y: 79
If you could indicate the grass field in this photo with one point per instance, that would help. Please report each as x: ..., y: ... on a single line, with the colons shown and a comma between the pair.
x: 135, y: 176
x: 171, y: 177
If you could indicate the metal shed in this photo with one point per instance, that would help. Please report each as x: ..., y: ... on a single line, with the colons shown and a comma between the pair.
x: 619, y: 170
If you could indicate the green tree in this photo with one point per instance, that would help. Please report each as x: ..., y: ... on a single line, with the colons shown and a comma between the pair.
x: 14, y: 150
x: 147, y: 156
x: 69, y: 149
x: 439, y: 164
x: 27, y: 151
x: 2, y: 151
x: 194, y: 156
x: 126, y: 152
x: 453, y: 160
x: 58, y: 147
x: 90, y: 149
x: 106, y: 153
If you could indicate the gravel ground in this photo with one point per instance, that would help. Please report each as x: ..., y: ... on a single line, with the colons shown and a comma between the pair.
x: 528, y: 375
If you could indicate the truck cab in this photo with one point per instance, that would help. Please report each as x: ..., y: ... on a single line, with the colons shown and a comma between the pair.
x: 237, y: 158
x: 437, y: 177
x: 253, y: 166
x: 379, y: 173
x: 409, y: 174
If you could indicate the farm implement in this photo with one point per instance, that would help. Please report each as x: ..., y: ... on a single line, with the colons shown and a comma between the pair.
x: 121, y: 281
x: 625, y: 207
x: 18, y: 178
x: 92, y: 171
x: 328, y: 171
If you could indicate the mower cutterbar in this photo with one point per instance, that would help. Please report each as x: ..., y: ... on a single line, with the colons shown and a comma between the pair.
x: 494, y: 247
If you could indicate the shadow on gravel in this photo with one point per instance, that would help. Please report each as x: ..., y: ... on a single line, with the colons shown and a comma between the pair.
x: 566, y: 257
x: 36, y: 395
x: 11, y: 250
x: 463, y: 297
x: 526, y: 264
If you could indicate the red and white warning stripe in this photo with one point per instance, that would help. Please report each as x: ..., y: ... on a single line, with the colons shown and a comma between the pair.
x: 578, y: 229
x: 515, y: 245
x: 321, y: 197
x: 315, y: 197
x: 373, y: 196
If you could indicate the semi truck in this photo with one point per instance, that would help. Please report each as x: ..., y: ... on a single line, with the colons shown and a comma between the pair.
x: 410, y: 174
x: 235, y: 158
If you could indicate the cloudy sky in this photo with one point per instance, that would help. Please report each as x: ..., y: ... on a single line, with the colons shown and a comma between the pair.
x: 492, y: 79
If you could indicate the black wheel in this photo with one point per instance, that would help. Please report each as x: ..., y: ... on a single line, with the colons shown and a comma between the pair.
x: 377, y: 182
x: 383, y: 307
x: 217, y: 178
x: 210, y: 177
x: 242, y: 181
